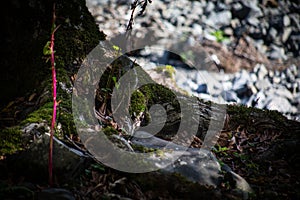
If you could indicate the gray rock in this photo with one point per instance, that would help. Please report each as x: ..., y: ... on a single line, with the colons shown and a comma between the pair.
x: 209, y: 7
x: 294, y: 70
x: 219, y: 19
x: 255, y: 11
x: 227, y: 85
x: 272, y: 33
x: 281, y: 91
x: 263, y: 84
x: 290, y: 77
x: 286, y: 20
x: 240, y: 80
x: 197, y: 165
x: 230, y: 96
x: 253, y: 21
x: 280, y: 104
x: 240, y: 10
x: 277, y: 53
x: 286, y: 34
x: 213, y: 85
x: 257, y: 100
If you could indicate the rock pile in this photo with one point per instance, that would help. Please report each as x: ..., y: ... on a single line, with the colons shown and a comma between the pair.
x: 261, y: 88
x: 272, y: 27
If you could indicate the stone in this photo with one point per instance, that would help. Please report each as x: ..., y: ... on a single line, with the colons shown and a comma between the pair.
x: 204, y: 77
x: 253, y: 21
x: 263, y: 84
x: 219, y: 19
x: 227, y: 85
x: 257, y: 100
x: 209, y: 7
x: 230, y: 96
x: 290, y: 77
x: 240, y: 80
x: 202, y: 88
x: 255, y: 9
x: 282, y: 92
x: 240, y: 10
x: 280, y: 104
x: 277, y: 53
x: 272, y: 33
x: 286, y: 34
x: 196, y: 165
x: 197, y: 29
x: 261, y: 71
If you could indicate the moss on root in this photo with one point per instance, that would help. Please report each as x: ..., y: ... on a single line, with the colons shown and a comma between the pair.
x: 254, y: 119
x: 137, y: 103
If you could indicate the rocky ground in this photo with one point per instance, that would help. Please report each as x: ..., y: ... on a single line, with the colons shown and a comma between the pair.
x: 254, y: 43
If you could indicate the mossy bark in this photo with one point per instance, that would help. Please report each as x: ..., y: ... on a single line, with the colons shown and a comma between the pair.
x: 26, y: 71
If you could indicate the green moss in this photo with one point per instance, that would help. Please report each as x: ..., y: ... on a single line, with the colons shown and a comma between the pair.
x: 254, y: 119
x: 137, y: 103
x: 43, y: 114
x: 159, y: 94
x: 110, y: 131
x: 78, y: 33
x: 10, y: 140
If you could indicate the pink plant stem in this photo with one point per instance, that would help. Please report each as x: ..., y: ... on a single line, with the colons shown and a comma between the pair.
x: 50, y: 164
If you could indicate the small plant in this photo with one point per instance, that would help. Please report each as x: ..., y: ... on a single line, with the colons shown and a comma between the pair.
x: 219, y: 35
x: 117, y: 85
x: 220, y: 150
x: 168, y: 70
x: 117, y: 48
x: 49, y: 51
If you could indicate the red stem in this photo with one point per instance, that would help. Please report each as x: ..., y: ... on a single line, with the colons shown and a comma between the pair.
x: 50, y: 164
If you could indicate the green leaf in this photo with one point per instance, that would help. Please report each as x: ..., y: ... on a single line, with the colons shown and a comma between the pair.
x: 117, y: 85
x: 115, y: 47
x: 46, y: 49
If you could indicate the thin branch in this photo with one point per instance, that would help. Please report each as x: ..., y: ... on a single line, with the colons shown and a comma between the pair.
x: 137, y: 3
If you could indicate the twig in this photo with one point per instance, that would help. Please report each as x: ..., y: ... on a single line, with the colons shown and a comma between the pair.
x: 143, y: 4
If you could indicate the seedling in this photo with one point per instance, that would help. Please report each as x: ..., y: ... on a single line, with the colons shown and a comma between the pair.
x: 49, y: 51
